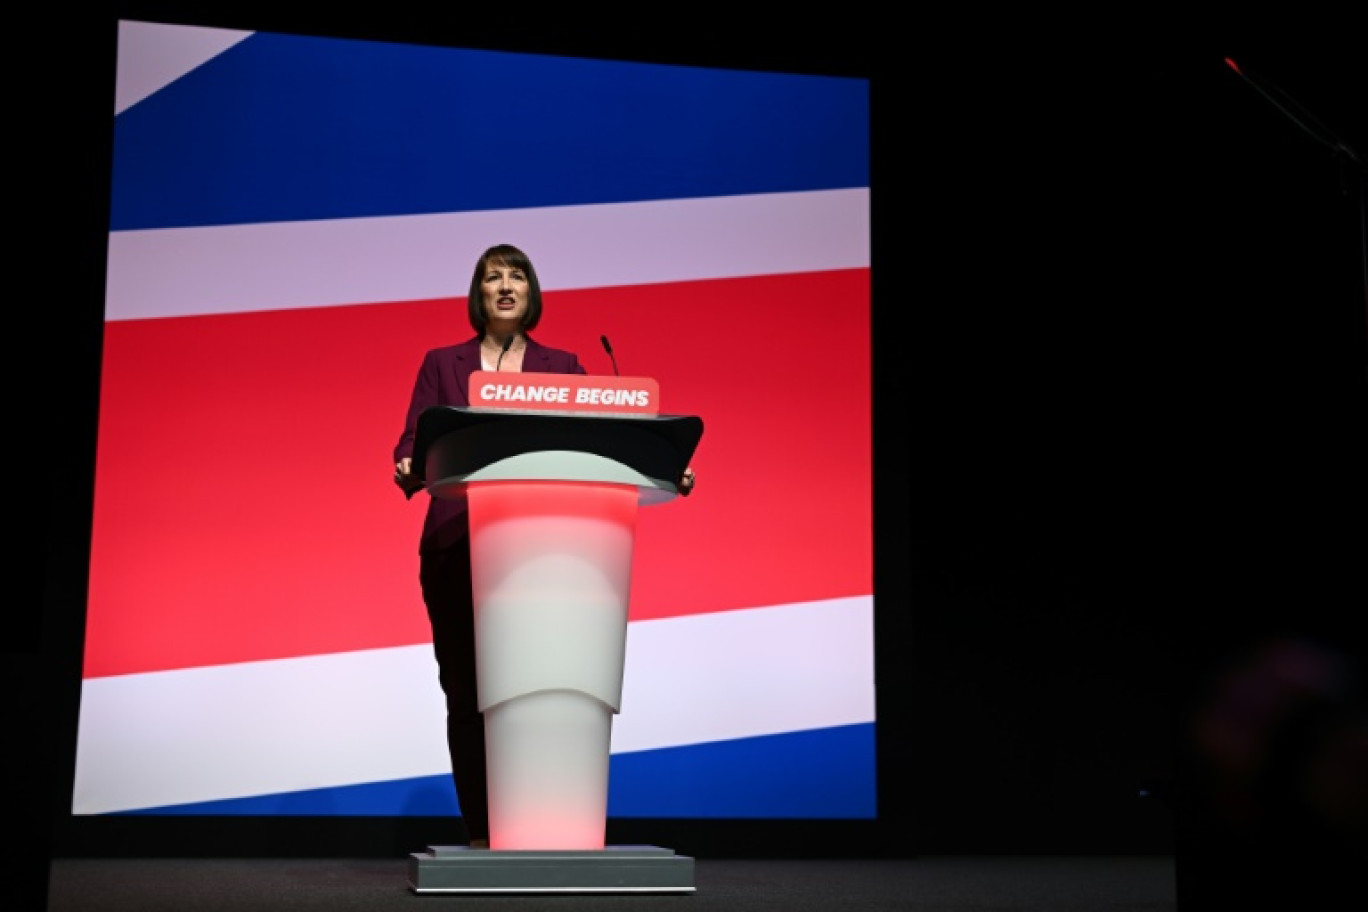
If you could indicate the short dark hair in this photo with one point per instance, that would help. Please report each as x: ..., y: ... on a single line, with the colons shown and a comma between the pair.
x: 512, y: 257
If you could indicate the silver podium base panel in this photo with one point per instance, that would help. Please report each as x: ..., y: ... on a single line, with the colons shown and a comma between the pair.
x: 613, y: 869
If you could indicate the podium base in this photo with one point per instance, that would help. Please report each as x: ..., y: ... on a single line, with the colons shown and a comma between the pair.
x: 614, y: 869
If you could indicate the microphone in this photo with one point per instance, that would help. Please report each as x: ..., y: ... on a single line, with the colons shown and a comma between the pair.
x: 609, y: 349
x: 508, y: 343
x: 1297, y: 114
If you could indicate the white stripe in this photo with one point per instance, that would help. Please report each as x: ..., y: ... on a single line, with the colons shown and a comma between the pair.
x: 740, y: 674
x: 280, y: 265
x: 228, y: 731
x: 153, y: 55
x: 260, y: 728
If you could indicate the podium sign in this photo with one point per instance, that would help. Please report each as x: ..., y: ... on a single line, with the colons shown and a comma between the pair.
x: 553, y: 493
x: 564, y: 393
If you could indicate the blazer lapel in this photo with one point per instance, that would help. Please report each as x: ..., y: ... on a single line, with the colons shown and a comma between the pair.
x: 535, y: 357
x: 467, y: 358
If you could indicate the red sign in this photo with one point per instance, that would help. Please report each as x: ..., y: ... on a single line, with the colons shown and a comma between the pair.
x: 533, y: 392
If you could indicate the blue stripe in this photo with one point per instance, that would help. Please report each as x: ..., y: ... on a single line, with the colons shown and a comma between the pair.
x: 820, y: 774
x: 428, y: 796
x: 285, y: 127
x: 826, y: 773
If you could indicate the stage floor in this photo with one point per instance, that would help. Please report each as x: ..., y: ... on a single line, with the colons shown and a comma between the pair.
x: 926, y: 884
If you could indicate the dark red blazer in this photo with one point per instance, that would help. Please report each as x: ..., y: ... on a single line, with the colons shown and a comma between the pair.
x: 443, y: 379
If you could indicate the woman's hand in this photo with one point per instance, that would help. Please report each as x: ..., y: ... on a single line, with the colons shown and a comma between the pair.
x: 686, y: 481
x: 404, y: 478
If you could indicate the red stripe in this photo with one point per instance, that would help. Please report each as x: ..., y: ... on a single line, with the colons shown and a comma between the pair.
x: 244, y: 508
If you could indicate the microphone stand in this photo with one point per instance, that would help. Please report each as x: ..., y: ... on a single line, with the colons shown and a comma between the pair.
x: 1353, y: 171
x: 507, y: 344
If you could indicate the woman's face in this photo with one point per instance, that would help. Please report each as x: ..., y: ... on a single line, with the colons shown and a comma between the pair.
x: 505, y: 295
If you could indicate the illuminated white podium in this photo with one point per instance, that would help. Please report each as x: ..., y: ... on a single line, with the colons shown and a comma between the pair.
x: 553, y: 492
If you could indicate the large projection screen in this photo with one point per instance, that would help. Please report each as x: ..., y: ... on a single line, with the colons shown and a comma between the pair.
x: 293, y: 220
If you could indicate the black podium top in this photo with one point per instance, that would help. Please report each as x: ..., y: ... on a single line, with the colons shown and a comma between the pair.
x: 464, y: 440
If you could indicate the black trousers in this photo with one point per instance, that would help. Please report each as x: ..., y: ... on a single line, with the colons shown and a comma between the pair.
x: 445, y: 576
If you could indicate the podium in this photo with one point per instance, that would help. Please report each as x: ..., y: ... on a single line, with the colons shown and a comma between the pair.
x: 553, y: 497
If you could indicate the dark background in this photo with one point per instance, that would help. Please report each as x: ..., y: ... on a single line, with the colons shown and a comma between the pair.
x: 1121, y: 370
